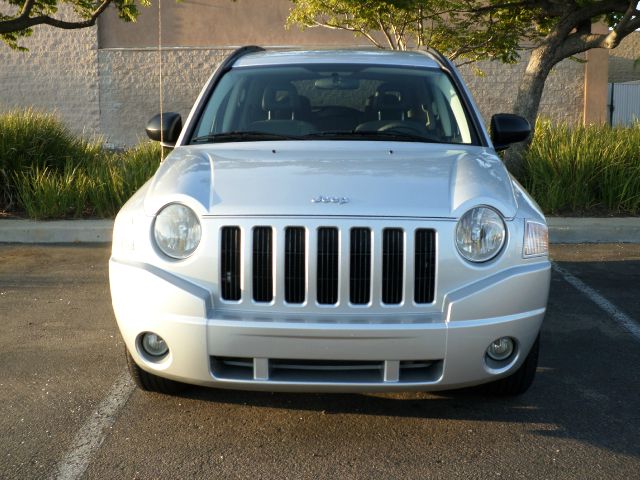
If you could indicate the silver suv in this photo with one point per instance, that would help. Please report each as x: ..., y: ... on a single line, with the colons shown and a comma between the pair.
x: 332, y: 221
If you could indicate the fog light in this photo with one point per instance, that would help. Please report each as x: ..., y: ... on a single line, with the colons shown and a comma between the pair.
x: 154, y: 344
x: 501, y: 349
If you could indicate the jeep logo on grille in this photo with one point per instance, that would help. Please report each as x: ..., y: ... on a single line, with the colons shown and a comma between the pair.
x: 323, y: 199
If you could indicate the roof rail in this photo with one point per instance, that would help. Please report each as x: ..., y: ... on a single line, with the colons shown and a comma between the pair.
x: 435, y: 55
x: 237, y: 53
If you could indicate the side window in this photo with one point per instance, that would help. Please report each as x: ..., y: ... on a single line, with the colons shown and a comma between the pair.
x: 233, y: 107
x: 211, y: 119
x: 453, y: 115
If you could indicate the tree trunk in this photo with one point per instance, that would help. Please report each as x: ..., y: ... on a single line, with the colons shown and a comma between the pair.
x: 528, y: 99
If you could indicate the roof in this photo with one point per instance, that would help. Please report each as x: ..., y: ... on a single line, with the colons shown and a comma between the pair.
x: 385, y: 57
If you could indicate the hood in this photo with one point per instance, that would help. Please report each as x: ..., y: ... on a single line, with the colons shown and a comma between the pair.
x: 327, y: 178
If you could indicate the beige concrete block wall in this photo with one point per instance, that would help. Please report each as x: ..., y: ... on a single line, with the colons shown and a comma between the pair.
x: 58, y: 74
x: 129, y: 91
x: 114, y: 91
x: 495, y: 92
x: 622, y: 59
x: 206, y: 23
x: 129, y: 86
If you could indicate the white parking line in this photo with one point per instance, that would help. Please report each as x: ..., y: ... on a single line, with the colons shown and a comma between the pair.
x: 89, y: 438
x: 622, y: 318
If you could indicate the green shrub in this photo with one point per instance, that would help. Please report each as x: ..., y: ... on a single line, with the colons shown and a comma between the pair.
x: 47, y: 172
x: 584, y: 169
x: 116, y: 179
x: 46, y: 193
x: 135, y: 166
x: 96, y: 188
x: 38, y: 141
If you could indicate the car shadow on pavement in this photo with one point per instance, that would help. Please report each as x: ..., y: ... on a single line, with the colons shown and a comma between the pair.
x: 552, y: 407
x: 585, y: 388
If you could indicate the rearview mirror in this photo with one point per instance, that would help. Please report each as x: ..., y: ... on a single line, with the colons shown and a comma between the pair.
x: 507, y: 128
x: 337, y: 82
x: 166, y: 131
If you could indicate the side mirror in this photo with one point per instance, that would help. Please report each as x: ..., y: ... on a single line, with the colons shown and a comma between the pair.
x: 507, y: 128
x: 168, y: 130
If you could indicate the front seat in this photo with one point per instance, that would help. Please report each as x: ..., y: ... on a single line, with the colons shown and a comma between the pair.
x: 389, y: 105
x: 390, y: 102
x: 281, y: 102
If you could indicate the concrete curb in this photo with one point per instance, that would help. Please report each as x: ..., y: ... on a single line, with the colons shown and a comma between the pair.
x: 57, y: 231
x: 594, y: 230
x: 561, y: 230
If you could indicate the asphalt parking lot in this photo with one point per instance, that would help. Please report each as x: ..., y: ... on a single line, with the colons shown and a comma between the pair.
x: 65, y: 403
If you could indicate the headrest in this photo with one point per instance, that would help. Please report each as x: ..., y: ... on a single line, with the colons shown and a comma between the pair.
x: 389, y: 101
x: 280, y: 97
x: 389, y: 96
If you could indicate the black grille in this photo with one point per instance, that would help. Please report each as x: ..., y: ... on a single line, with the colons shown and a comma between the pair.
x: 326, y: 371
x: 230, y: 263
x: 360, y: 266
x: 327, y: 268
x: 262, y: 265
x: 425, y: 267
x: 327, y: 280
x: 392, y: 265
x: 294, y: 265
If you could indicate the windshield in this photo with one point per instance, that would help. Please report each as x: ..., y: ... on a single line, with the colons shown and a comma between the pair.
x: 341, y: 101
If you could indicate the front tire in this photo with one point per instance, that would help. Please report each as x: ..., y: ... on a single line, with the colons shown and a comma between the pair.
x: 520, y: 381
x: 149, y: 382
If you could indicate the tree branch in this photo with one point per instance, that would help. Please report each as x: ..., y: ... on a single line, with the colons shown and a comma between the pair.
x: 26, y: 8
x: 562, y: 9
x: 23, y: 21
x: 332, y: 26
x: 551, y: 8
x: 631, y: 10
x: 386, y: 33
x: 578, y: 43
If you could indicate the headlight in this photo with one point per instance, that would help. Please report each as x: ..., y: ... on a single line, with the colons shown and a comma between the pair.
x: 536, y: 239
x: 480, y: 234
x: 177, y: 231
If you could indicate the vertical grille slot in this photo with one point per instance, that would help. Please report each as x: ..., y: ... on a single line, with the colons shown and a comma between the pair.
x: 294, y: 265
x: 392, y: 265
x: 360, y: 266
x: 425, y: 266
x: 262, y: 264
x: 327, y: 279
x: 230, y: 263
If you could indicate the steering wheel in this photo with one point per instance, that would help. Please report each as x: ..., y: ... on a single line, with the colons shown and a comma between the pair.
x: 407, y: 128
x: 402, y: 127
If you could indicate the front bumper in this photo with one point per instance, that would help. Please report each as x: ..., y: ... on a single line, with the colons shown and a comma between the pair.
x: 253, y: 351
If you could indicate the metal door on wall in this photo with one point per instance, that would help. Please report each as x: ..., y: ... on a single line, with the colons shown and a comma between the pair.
x: 624, y: 103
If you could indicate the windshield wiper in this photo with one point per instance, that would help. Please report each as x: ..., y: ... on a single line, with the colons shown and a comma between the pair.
x: 253, y: 136
x: 372, y: 135
x: 241, y: 137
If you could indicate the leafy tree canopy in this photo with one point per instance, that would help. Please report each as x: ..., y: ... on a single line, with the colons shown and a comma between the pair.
x: 447, y: 25
x: 471, y: 30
